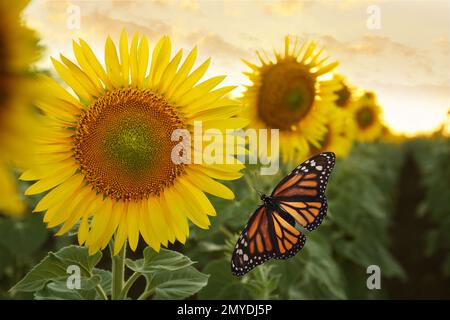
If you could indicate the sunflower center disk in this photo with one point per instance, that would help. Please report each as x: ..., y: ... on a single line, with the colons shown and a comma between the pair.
x: 365, y: 117
x: 287, y: 94
x: 324, y: 141
x: 123, y: 144
x: 343, y: 96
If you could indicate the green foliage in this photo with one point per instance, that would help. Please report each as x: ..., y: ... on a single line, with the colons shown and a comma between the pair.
x: 361, y: 229
x: 433, y: 157
x: 168, y: 274
x: 333, y: 263
x: 48, y: 279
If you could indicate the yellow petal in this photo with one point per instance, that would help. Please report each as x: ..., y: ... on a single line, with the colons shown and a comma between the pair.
x: 224, y: 124
x: 146, y: 228
x: 81, y: 77
x: 177, y: 213
x: 77, y: 214
x: 160, y: 60
x: 113, y: 223
x: 183, y: 72
x: 121, y: 234
x: 51, y: 182
x: 42, y: 172
x: 83, y: 229
x: 99, y: 223
x: 84, y: 64
x: 133, y: 224
x: 95, y: 64
x: 204, y: 101
x: 124, y: 58
x: 192, y: 208
x: 142, y: 61
x: 205, y: 183
x: 155, y: 218
x: 65, y: 213
x: 68, y: 78
x: 200, y: 90
x: 214, y: 114
x: 189, y: 82
x: 112, y: 63
x: 169, y: 73
x: 134, y: 60
x: 327, y: 68
x: 60, y: 193
x: 199, y: 197
x: 220, y: 175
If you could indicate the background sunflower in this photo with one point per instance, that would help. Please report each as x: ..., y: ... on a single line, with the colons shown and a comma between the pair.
x: 289, y: 93
x: 366, y: 114
x: 18, y: 51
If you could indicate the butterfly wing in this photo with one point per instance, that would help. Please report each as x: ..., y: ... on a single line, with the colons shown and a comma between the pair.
x: 268, y: 234
x: 302, y: 193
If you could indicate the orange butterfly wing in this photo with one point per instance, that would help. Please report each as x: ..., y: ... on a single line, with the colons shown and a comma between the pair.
x: 302, y: 193
x: 267, y: 235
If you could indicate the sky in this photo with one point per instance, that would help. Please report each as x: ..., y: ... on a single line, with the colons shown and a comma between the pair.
x: 399, y: 49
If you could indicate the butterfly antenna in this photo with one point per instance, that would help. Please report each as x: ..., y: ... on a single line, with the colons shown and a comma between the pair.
x: 253, y: 186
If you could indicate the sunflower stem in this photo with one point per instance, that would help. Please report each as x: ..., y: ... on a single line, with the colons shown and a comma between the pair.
x: 101, y: 292
x: 128, y: 284
x: 146, y: 294
x: 118, y: 271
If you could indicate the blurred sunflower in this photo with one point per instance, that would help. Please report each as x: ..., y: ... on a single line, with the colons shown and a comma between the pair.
x: 366, y: 114
x: 106, y: 155
x: 345, y: 94
x: 286, y: 94
x: 339, y: 136
x: 18, y: 50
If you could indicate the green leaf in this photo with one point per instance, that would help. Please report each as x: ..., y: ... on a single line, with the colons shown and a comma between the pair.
x: 105, y: 279
x: 58, y: 290
x: 53, y: 268
x: 179, y: 284
x: 165, y: 260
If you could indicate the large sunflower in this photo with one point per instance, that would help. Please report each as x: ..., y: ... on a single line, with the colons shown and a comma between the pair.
x: 106, y: 156
x: 339, y: 136
x: 366, y: 115
x: 18, y: 50
x: 287, y: 93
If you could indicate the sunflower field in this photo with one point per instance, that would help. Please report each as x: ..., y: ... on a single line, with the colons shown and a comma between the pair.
x: 99, y: 198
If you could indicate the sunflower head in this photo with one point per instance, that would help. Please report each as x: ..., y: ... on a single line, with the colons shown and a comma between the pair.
x: 366, y: 114
x: 18, y: 51
x: 287, y: 93
x: 339, y: 136
x: 105, y: 156
x: 345, y: 92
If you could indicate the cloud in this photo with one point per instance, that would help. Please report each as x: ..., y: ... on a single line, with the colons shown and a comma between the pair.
x: 214, y: 44
x: 380, y: 58
x: 367, y: 45
x: 104, y: 24
x: 283, y: 7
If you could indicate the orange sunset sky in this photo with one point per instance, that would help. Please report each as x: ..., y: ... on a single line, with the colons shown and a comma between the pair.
x: 406, y: 62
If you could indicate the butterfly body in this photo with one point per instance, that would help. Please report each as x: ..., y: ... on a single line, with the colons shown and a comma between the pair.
x: 271, y: 231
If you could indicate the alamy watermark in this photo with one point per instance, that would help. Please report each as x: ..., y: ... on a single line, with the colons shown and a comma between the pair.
x: 214, y: 146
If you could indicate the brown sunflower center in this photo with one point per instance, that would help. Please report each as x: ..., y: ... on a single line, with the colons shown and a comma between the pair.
x: 365, y: 117
x: 286, y: 95
x: 123, y: 144
x: 343, y: 96
x: 324, y: 142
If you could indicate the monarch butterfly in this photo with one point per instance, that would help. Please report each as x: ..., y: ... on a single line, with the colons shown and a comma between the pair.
x: 298, y: 198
